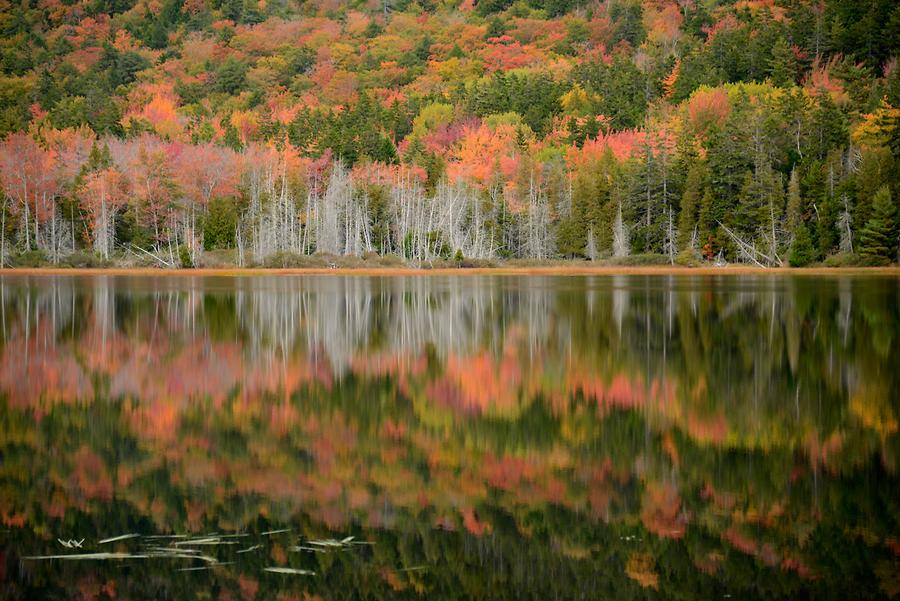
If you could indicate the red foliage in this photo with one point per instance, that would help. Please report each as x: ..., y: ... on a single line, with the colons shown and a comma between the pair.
x: 473, y: 524
x: 28, y: 175
x: 207, y: 171
x: 505, y: 54
x: 103, y: 192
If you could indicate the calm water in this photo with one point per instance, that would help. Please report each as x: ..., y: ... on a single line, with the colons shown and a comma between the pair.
x: 477, y: 437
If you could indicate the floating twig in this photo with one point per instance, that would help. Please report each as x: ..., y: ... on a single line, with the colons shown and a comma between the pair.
x: 310, y: 549
x: 117, y: 538
x: 90, y: 556
x: 281, y: 570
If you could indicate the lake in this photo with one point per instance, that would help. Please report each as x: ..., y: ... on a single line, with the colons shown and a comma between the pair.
x: 449, y: 437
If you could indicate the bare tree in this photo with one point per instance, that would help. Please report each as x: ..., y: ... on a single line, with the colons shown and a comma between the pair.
x: 621, y: 242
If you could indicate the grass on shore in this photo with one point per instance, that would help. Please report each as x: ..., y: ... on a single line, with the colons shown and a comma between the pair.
x: 224, y: 262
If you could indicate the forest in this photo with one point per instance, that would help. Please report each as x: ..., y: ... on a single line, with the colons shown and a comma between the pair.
x: 178, y: 133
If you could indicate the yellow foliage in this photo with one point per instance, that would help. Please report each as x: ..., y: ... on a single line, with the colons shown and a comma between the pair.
x: 641, y: 568
x: 576, y: 101
x: 431, y: 117
x: 877, y: 128
x: 871, y: 405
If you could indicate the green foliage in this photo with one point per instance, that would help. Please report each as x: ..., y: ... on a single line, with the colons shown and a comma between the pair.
x: 627, y: 19
x: 369, y: 83
x: 535, y: 96
x: 622, y: 90
x: 220, y: 224
x: 30, y: 258
x: 592, y: 209
x: 122, y: 66
x: 878, y: 239
x: 231, y: 76
x: 184, y: 257
x: 487, y: 7
x: 691, y: 199
x: 84, y: 259
x: 802, y: 251
x: 782, y: 64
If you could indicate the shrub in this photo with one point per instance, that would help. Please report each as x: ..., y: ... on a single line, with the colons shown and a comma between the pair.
x: 30, y: 258
x: 84, y: 259
x: 184, y: 257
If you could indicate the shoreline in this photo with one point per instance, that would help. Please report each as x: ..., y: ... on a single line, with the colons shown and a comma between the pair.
x: 549, y: 270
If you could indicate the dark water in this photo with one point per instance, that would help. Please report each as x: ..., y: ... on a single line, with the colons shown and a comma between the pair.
x: 478, y: 437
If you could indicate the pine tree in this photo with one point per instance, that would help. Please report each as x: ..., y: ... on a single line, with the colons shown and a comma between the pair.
x: 690, y: 205
x: 828, y: 237
x: 794, y: 204
x: 782, y: 67
x: 707, y: 226
x: 802, y: 251
x: 878, y: 239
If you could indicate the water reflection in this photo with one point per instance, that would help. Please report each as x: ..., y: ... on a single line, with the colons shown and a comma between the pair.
x: 493, y: 437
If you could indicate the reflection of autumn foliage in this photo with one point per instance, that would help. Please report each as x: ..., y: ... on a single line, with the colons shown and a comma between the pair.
x: 641, y: 568
x: 473, y: 524
x: 89, y: 478
x: 33, y: 371
x: 870, y: 405
x: 90, y: 587
x: 478, y: 383
x: 661, y: 510
x: 476, y: 435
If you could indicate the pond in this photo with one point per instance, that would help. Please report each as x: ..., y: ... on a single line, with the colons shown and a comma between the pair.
x: 449, y: 437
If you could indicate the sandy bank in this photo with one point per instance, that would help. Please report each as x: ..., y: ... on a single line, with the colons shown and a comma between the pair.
x: 554, y: 270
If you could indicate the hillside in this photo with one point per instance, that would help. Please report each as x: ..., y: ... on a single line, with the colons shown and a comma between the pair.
x: 756, y: 131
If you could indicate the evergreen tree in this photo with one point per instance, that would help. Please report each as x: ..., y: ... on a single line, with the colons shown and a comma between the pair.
x: 794, y: 203
x: 782, y: 66
x: 707, y: 225
x: 827, y: 226
x: 590, y: 200
x: 802, y: 251
x: 231, y: 76
x: 691, y: 201
x: 878, y: 239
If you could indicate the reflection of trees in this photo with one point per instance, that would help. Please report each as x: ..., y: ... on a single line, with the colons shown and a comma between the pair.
x: 780, y: 356
x: 341, y: 317
x: 731, y: 425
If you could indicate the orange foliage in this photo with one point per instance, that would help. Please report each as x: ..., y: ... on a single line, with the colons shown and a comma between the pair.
x: 641, y: 568
x: 473, y: 524
x: 156, y: 104
x: 707, y: 108
x: 706, y: 429
x: 248, y: 586
x: 89, y: 476
x: 103, y: 191
x: 246, y: 123
x: 820, y: 81
x: 505, y: 54
x: 663, y: 23
x: 671, y: 79
x: 661, y: 510
x: 28, y: 175
x: 727, y: 23
x: 484, y: 155
x: 623, y: 145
